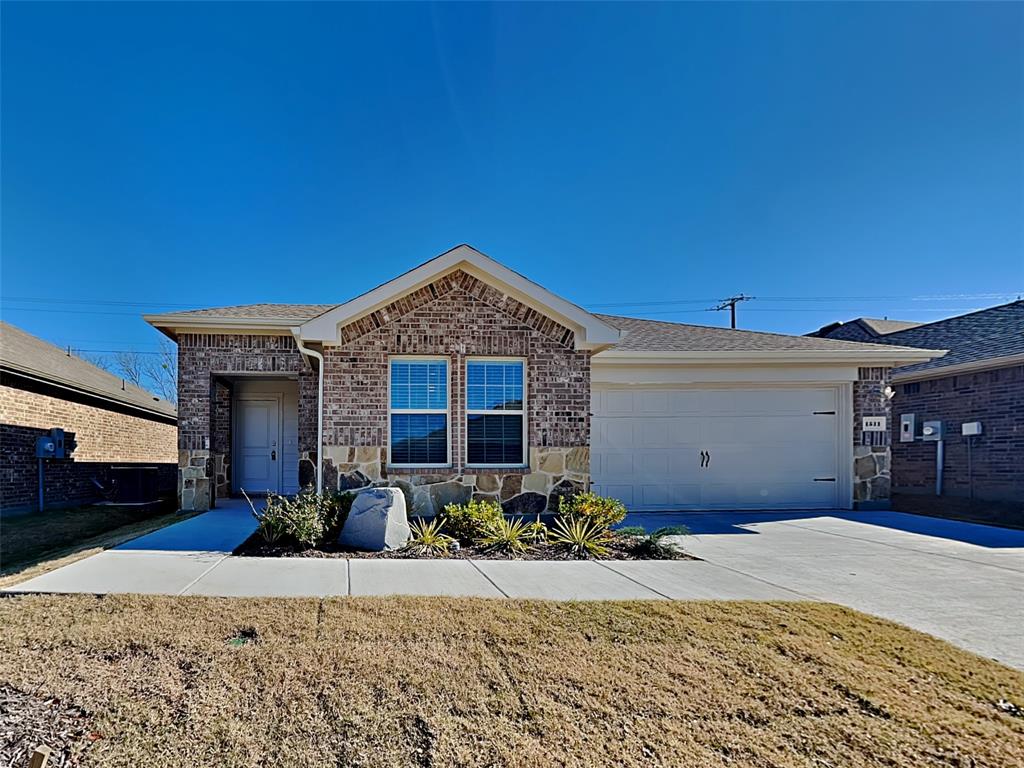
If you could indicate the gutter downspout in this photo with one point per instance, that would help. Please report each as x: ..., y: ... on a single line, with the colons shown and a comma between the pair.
x: 319, y: 408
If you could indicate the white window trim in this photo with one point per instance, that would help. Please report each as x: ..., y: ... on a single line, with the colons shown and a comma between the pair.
x: 474, y: 412
x: 447, y: 410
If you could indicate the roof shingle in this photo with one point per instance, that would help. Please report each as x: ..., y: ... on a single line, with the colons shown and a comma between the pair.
x: 22, y: 352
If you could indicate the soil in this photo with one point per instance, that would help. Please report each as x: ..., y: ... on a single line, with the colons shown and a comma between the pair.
x: 29, y: 720
x: 620, y: 548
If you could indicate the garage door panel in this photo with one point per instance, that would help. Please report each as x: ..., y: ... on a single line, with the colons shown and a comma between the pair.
x: 766, y: 430
x: 767, y: 447
x: 768, y: 496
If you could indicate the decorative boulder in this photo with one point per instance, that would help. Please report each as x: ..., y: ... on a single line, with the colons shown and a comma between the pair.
x: 377, y: 521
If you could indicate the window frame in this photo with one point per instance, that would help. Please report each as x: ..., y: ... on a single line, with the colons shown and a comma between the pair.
x: 476, y: 412
x: 447, y: 410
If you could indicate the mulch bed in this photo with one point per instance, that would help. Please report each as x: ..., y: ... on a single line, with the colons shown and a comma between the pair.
x: 30, y: 720
x: 620, y: 548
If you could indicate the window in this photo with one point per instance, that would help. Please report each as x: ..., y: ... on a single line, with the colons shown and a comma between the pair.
x: 495, y: 413
x: 419, y: 413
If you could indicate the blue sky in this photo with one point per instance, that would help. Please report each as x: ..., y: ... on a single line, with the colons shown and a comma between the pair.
x: 832, y: 160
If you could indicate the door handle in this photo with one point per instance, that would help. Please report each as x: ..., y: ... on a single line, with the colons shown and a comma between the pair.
x: 705, y: 459
x: 273, y: 455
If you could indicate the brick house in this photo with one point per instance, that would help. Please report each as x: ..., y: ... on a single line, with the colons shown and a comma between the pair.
x: 113, y: 422
x: 462, y: 378
x: 980, y: 379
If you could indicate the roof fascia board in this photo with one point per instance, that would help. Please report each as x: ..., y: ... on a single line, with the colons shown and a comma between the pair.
x: 942, y: 371
x: 589, y: 330
x: 896, y: 356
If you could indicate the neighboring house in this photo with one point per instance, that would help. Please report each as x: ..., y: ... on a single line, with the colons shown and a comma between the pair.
x: 462, y: 377
x: 866, y: 329
x: 114, y: 423
x: 981, y: 379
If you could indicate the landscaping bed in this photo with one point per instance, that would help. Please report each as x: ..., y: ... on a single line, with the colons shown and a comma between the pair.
x: 583, y: 527
x: 620, y: 548
x: 240, y: 683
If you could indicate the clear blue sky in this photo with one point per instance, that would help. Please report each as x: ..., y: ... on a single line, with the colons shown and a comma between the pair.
x: 196, y: 154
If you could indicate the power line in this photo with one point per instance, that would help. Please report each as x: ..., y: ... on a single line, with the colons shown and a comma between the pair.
x: 730, y: 304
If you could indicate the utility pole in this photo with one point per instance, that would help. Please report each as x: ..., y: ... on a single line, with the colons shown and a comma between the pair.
x: 731, y: 303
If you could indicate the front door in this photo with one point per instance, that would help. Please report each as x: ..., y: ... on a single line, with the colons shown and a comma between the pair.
x: 258, y: 446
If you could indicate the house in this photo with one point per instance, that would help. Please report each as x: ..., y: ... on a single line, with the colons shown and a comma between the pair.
x: 866, y: 329
x: 115, y: 424
x: 463, y: 378
x: 980, y: 380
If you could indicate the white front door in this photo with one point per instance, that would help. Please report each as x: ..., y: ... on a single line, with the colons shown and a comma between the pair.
x: 257, y: 446
x: 723, y: 448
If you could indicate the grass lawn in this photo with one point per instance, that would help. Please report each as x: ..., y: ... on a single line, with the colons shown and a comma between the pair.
x: 423, y: 681
x: 35, y: 542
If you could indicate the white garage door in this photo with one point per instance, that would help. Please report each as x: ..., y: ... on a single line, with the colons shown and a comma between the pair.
x: 668, y: 449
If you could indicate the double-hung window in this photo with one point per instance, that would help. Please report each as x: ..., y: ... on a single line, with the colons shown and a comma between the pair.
x: 418, y: 412
x: 495, y: 413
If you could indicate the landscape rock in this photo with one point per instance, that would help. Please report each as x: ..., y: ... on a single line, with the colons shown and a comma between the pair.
x: 377, y: 521
x: 352, y: 480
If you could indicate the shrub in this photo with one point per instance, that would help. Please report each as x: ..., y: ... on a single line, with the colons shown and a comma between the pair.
x: 654, y: 547
x: 630, y: 530
x: 304, y: 519
x: 537, y: 531
x: 467, y: 522
x: 584, y: 538
x: 427, y: 538
x: 504, y: 535
x: 599, y: 510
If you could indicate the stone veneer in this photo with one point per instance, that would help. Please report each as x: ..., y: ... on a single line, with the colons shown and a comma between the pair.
x: 872, y: 453
x: 552, y: 473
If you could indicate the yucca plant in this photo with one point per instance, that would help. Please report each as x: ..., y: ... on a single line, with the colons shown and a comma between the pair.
x: 583, y: 538
x: 654, y: 547
x: 504, y: 535
x: 427, y: 538
x: 537, y: 531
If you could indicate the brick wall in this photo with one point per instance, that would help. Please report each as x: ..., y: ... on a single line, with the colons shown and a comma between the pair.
x: 204, y: 404
x: 871, y: 450
x: 106, y: 434
x: 456, y: 317
x: 996, y: 399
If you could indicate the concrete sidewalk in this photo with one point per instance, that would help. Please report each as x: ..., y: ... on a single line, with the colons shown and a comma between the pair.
x: 957, y: 581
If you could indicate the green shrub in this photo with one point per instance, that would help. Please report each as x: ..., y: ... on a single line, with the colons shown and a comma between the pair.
x: 654, y: 547
x: 304, y: 519
x: 630, y: 530
x: 583, y: 538
x: 427, y: 538
x: 467, y: 522
x: 602, y: 511
x: 504, y: 535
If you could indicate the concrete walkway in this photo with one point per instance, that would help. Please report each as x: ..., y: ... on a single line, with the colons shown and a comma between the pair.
x: 960, y: 582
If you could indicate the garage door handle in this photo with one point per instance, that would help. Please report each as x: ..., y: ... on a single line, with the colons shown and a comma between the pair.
x: 705, y: 458
x: 824, y: 479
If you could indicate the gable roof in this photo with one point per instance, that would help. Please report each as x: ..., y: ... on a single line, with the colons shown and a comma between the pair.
x: 986, y: 338
x: 27, y: 355
x: 660, y: 338
x: 862, y: 328
x: 590, y: 331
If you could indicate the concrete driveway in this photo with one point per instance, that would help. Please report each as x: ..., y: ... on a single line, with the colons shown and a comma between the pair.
x: 958, y: 581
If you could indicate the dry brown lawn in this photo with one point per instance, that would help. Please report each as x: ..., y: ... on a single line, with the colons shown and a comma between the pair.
x: 414, y: 681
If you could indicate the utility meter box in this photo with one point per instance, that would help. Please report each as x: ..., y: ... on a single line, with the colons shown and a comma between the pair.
x: 54, y: 445
x: 932, y: 430
x: 970, y: 428
x: 908, y: 424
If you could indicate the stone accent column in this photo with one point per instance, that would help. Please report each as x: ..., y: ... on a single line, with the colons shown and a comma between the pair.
x: 872, y: 452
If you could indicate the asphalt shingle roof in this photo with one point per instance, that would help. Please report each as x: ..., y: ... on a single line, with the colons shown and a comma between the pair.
x: 24, y: 353
x: 259, y: 311
x: 661, y: 336
x: 971, y: 338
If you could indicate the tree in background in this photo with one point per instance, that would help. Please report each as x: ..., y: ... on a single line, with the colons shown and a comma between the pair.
x: 154, y: 371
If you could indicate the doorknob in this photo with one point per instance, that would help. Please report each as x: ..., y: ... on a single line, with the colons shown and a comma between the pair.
x: 273, y: 455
